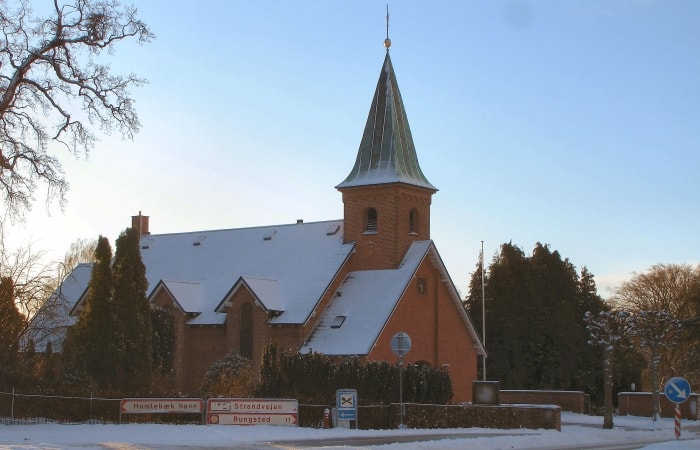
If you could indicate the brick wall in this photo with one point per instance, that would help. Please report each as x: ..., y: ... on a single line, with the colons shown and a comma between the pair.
x: 385, y: 248
x: 437, y: 331
x: 639, y: 404
x: 572, y: 401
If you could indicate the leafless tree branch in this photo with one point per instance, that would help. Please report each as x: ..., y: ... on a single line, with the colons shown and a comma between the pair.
x: 46, y: 64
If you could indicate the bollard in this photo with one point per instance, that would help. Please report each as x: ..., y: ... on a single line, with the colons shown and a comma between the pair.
x: 326, y: 418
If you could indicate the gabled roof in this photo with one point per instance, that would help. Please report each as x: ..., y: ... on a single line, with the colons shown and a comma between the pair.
x: 187, y: 295
x: 266, y: 293
x: 288, y: 267
x: 49, y: 324
x: 387, y: 153
x: 365, y: 301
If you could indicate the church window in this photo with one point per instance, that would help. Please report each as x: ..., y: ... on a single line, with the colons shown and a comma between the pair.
x: 422, y: 286
x: 246, y: 331
x: 371, y: 221
x: 413, y: 222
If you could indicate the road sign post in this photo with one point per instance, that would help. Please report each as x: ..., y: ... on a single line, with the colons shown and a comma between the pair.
x: 401, y: 345
x: 677, y: 390
x: 346, y: 404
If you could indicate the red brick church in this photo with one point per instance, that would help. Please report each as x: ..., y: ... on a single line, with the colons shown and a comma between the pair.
x: 339, y: 287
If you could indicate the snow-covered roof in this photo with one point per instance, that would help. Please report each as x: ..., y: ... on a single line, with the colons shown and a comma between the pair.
x: 353, y: 321
x: 287, y: 267
x: 362, y: 305
x: 266, y: 293
x: 186, y: 294
x: 50, y: 323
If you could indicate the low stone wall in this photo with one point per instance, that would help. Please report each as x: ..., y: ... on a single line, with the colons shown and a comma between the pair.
x: 571, y: 401
x: 639, y: 404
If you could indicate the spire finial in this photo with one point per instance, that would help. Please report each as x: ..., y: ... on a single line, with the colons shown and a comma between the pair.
x: 387, y: 41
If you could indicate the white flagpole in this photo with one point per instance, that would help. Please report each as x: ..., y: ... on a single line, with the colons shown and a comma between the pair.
x: 483, y: 312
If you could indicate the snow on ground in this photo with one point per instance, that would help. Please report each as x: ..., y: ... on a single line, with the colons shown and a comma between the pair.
x: 578, y: 431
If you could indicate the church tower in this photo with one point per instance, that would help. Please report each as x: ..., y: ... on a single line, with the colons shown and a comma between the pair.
x: 386, y: 197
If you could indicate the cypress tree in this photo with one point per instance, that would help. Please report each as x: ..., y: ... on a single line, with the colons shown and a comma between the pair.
x: 91, y: 345
x: 163, y: 325
x: 555, y: 290
x: 133, y: 314
x: 508, y: 325
x: 11, y: 325
x: 536, y: 337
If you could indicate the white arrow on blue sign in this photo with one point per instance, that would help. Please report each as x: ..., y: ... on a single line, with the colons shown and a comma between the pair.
x: 677, y: 390
x: 346, y: 402
x: 347, y: 414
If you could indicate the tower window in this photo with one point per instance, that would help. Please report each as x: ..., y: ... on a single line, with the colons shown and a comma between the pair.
x: 371, y: 221
x: 413, y: 222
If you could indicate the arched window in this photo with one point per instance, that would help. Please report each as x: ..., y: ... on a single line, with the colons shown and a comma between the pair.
x: 413, y: 221
x: 246, y: 331
x: 371, y: 221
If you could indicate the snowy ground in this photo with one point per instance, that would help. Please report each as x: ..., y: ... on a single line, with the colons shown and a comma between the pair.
x: 578, y: 431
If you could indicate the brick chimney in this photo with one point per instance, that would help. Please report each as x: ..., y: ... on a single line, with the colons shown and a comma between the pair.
x: 140, y: 224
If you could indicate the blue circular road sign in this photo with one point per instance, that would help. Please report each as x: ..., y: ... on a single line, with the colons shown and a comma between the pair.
x: 677, y: 390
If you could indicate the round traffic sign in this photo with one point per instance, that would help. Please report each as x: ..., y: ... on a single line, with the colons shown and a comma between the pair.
x: 677, y: 390
x: 400, y: 344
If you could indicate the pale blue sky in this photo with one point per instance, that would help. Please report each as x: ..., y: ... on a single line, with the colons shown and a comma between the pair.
x: 572, y: 123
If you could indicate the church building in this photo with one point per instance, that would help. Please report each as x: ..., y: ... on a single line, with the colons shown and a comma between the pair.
x: 339, y: 287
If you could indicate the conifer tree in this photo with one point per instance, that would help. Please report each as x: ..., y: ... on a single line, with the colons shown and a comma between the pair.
x: 135, y: 351
x: 554, y: 284
x: 163, y: 325
x: 589, y: 373
x: 535, y: 335
x: 91, y: 344
x: 507, y: 317
x: 11, y: 325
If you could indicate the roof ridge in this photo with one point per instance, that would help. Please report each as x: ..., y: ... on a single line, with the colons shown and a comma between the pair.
x: 259, y: 227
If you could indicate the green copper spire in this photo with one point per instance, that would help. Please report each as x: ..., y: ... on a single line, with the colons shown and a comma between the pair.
x: 387, y: 153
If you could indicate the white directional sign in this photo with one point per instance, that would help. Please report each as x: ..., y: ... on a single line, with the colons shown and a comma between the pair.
x: 161, y: 405
x: 252, y: 411
x: 677, y: 390
x: 253, y: 419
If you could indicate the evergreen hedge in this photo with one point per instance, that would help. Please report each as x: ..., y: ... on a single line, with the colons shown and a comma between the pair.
x: 314, y: 379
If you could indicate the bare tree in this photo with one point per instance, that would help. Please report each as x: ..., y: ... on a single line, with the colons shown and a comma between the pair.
x: 48, y: 66
x: 80, y: 251
x: 609, y: 330
x: 661, y: 300
x: 664, y: 287
x: 671, y: 289
x: 33, y: 280
x: 656, y: 330
x: 36, y: 289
